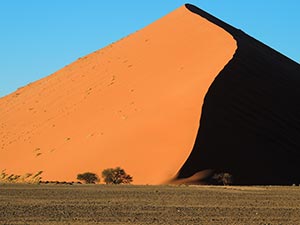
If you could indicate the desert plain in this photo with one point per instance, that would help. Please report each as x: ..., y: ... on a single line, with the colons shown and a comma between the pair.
x: 51, y: 204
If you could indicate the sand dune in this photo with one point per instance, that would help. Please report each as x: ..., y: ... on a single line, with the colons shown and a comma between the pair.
x: 250, y: 121
x: 134, y: 104
x: 137, y: 104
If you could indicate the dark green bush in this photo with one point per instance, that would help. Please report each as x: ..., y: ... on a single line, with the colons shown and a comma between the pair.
x: 88, y: 178
x: 116, y: 176
x: 223, y: 178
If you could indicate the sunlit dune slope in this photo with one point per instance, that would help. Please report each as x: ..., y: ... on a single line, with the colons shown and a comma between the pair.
x: 135, y: 104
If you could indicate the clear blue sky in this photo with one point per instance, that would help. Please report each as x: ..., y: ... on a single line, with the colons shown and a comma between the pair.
x: 38, y: 37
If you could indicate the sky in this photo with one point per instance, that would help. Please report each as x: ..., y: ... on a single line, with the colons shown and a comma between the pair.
x: 38, y: 37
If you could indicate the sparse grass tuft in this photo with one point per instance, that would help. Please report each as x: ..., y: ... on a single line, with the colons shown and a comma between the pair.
x: 27, y: 178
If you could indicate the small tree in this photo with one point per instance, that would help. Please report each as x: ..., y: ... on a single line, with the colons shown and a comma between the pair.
x: 88, y: 178
x: 116, y: 176
x: 223, y: 178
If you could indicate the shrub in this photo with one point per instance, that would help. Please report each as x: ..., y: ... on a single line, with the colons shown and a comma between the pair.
x: 116, y: 176
x: 223, y: 178
x: 88, y: 178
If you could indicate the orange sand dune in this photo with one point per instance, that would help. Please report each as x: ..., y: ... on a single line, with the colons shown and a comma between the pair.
x: 134, y: 104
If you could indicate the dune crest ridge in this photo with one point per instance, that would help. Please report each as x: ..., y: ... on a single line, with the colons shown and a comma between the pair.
x: 135, y: 103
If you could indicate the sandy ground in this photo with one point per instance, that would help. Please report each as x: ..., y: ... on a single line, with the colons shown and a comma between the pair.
x: 103, y: 204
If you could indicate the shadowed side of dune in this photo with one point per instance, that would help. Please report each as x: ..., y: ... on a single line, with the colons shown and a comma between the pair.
x: 250, y: 121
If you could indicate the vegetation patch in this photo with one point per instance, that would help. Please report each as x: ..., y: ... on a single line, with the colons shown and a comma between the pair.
x: 28, y: 178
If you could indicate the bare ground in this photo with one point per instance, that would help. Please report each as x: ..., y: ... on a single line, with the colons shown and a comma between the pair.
x: 105, y: 204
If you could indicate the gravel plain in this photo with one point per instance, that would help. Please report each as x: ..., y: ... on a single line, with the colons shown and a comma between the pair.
x: 131, y: 204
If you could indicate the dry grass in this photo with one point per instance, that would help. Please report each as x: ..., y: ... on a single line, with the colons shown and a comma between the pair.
x: 27, y: 178
x: 105, y: 204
